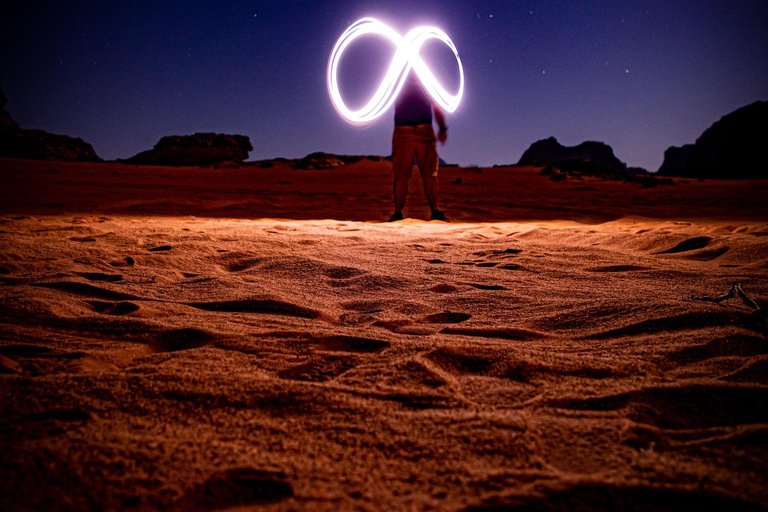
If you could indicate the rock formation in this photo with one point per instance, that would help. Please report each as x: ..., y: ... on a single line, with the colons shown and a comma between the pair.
x: 16, y: 142
x: 323, y: 161
x: 196, y: 149
x: 675, y: 159
x: 6, y: 121
x: 732, y: 148
x: 586, y: 158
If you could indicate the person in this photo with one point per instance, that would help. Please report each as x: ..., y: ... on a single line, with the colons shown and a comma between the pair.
x: 414, y: 139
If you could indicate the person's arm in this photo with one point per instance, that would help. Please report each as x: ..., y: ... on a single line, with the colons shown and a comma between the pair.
x: 443, y: 133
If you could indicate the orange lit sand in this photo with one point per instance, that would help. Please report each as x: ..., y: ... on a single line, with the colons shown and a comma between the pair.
x: 540, y: 350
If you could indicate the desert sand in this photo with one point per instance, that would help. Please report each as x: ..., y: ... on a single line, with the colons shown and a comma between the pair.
x: 257, y: 339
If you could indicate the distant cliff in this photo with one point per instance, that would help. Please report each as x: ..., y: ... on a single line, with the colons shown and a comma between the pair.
x: 587, y: 157
x: 16, y: 142
x: 196, y: 149
x: 732, y: 148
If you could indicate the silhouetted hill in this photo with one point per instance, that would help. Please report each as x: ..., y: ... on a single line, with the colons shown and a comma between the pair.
x: 16, y: 142
x: 587, y: 158
x: 195, y: 149
x: 732, y: 148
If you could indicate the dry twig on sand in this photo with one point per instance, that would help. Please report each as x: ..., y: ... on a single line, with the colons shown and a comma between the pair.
x: 733, y: 292
x: 736, y: 291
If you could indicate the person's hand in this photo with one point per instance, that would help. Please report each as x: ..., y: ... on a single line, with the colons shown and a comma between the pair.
x: 443, y: 135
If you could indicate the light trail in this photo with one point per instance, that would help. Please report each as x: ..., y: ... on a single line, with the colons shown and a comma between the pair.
x: 406, y: 58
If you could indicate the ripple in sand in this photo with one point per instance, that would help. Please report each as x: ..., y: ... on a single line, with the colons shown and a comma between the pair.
x: 606, y: 497
x: 692, y: 244
x: 682, y: 407
x: 683, y: 321
x: 492, y: 332
x: 98, y: 276
x: 351, y: 344
x: 736, y: 345
x: 87, y: 290
x: 259, y: 306
x: 113, y: 308
x: 617, y: 268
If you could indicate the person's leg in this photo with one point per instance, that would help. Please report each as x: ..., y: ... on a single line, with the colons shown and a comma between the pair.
x: 427, y: 160
x: 402, y: 163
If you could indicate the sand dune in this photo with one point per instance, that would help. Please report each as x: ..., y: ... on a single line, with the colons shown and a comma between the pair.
x: 206, y: 343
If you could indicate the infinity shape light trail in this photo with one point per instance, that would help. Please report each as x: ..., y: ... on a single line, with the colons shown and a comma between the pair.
x: 406, y: 58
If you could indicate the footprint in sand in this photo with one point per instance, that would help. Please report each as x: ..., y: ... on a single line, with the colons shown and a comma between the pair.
x: 511, y: 266
x: 125, y: 262
x: 350, y: 344
x: 180, y: 339
x: 236, y: 488
x: 342, y: 272
x: 447, y: 317
x: 443, y: 288
x: 238, y: 261
x: 113, y: 308
x: 417, y: 327
x: 320, y: 369
x: 498, y: 252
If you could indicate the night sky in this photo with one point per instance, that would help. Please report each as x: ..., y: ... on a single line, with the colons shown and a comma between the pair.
x: 639, y: 75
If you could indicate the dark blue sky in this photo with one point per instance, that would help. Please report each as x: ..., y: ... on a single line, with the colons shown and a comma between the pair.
x: 640, y: 75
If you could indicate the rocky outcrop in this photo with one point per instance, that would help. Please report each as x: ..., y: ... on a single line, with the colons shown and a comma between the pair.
x: 6, y: 121
x: 16, y: 142
x: 41, y: 145
x: 675, y: 160
x: 586, y: 158
x: 196, y: 149
x: 320, y: 161
x: 323, y: 161
x: 732, y: 148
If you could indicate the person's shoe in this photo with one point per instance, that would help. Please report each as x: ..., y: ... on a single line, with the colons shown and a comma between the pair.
x: 438, y: 215
x: 396, y: 216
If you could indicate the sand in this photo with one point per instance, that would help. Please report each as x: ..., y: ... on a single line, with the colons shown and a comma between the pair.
x: 255, y: 339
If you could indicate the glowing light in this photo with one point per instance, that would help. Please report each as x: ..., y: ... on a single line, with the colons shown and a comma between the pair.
x: 406, y: 58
